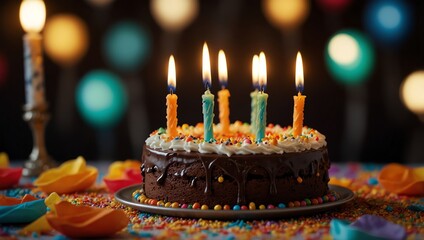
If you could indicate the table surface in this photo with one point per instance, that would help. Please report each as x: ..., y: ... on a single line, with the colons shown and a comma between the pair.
x: 371, y: 198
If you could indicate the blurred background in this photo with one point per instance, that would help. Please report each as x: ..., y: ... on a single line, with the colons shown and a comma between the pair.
x: 105, y: 65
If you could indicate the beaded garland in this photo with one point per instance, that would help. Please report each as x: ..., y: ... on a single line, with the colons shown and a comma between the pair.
x: 139, y: 196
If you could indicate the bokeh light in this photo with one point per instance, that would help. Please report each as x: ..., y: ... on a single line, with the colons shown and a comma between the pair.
x: 126, y: 46
x: 66, y: 38
x: 411, y: 92
x: 349, y: 56
x: 3, y: 70
x: 101, y: 98
x: 388, y: 21
x: 100, y: 3
x: 334, y: 6
x: 174, y: 15
x: 286, y: 14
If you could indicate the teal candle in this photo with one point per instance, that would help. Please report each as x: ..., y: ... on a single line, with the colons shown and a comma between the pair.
x: 254, y: 111
x: 208, y: 115
x: 262, y: 99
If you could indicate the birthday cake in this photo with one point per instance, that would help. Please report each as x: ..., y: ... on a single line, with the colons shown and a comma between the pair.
x: 234, y: 169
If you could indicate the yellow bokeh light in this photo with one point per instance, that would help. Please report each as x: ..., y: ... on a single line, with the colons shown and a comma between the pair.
x: 343, y: 49
x: 411, y: 92
x: 32, y: 15
x: 286, y: 14
x: 65, y: 38
x: 174, y: 15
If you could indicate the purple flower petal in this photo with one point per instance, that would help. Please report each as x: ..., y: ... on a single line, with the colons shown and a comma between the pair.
x: 379, y: 227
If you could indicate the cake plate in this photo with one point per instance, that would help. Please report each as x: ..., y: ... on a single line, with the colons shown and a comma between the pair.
x: 124, y: 196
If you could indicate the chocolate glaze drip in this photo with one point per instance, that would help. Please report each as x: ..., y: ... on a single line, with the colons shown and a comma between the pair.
x: 236, y: 167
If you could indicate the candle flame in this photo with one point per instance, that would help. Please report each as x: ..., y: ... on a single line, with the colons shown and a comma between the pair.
x: 222, y: 68
x: 206, y: 67
x: 299, y: 81
x: 32, y: 14
x: 255, y: 71
x: 262, y: 71
x: 172, y: 79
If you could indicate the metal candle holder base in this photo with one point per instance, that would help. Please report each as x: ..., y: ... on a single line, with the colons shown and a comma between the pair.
x: 39, y: 159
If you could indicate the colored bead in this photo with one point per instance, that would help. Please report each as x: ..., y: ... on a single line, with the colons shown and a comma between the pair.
x: 299, y: 180
x: 160, y: 203
x: 252, y: 206
x: 262, y: 207
x: 291, y: 204
x: 196, y: 206
x: 308, y: 202
x: 184, y: 206
x: 244, y: 207
x: 332, y: 198
x: 236, y: 207
x: 303, y: 203
x: 190, y: 206
x: 270, y: 206
x: 325, y: 198
x: 315, y: 201
x: 168, y: 204
x: 296, y: 203
x: 220, y: 179
x: 217, y: 207
x: 227, y: 207
x: 320, y: 200
x: 137, y: 195
x: 153, y: 202
x: 204, y: 207
x: 281, y: 205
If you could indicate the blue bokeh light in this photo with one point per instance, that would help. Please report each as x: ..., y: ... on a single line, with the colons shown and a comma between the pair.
x: 126, y: 46
x: 388, y: 21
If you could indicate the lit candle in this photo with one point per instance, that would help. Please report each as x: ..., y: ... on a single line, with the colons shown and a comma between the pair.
x: 33, y: 15
x: 299, y: 100
x: 207, y: 97
x: 254, y: 94
x: 262, y: 99
x: 223, y: 94
x: 171, y: 101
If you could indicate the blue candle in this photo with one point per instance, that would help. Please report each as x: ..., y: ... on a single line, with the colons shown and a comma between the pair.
x: 207, y: 97
x: 262, y: 99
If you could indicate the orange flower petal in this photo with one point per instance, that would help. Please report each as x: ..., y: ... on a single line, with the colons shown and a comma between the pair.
x: 82, y: 221
x: 400, y: 179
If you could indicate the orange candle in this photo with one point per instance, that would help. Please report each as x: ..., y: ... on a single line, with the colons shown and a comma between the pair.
x: 223, y: 94
x: 171, y: 101
x: 299, y: 100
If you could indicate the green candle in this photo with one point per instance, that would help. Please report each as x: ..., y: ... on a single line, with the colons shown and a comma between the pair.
x: 207, y: 97
x: 262, y: 99
x: 254, y: 94
x: 208, y: 105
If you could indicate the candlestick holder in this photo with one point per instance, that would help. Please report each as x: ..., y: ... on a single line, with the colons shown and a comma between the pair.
x: 39, y: 160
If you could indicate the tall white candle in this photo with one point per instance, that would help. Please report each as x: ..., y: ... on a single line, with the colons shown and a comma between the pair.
x: 33, y: 15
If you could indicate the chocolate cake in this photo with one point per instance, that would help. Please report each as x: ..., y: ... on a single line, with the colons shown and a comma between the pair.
x: 235, y: 170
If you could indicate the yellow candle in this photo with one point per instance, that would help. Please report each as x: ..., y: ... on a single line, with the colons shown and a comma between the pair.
x: 299, y: 100
x: 171, y: 101
x: 223, y: 94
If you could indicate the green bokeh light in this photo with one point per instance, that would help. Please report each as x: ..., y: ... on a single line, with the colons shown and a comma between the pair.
x: 101, y: 98
x: 346, y: 70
